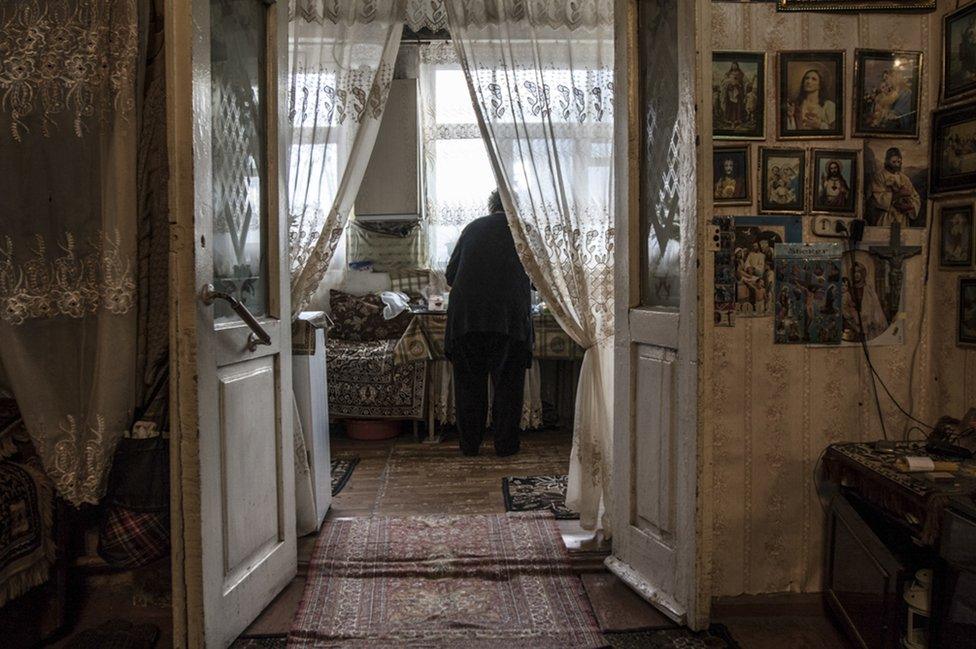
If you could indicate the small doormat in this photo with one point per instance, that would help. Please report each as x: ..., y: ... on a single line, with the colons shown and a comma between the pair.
x: 261, y: 642
x: 341, y: 472
x: 116, y: 634
x: 465, y: 582
x: 537, y: 492
x: 717, y: 637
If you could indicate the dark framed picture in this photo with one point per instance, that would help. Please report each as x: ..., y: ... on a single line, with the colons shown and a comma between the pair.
x: 954, y: 149
x: 834, y: 181
x: 855, y: 5
x: 896, y: 184
x: 782, y: 180
x: 967, y: 312
x: 810, y: 95
x: 887, y: 96
x: 956, y: 236
x: 731, y: 176
x: 959, y: 54
x: 739, y: 95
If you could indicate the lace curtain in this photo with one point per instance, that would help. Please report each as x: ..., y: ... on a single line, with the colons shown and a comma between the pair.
x: 68, y: 136
x: 541, y: 75
x: 341, y: 65
x: 457, y: 172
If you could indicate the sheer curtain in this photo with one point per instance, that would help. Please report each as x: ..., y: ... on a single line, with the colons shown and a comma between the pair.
x: 68, y: 137
x: 341, y: 54
x: 457, y: 172
x: 541, y: 76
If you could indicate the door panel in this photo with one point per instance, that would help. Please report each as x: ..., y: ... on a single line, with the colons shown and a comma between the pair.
x: 233, y: 497
x: 654, y: 445
x: 655, y: 363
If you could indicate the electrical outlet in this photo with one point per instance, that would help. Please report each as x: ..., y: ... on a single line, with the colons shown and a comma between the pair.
x: 712, y: 238
x: 831, y: 226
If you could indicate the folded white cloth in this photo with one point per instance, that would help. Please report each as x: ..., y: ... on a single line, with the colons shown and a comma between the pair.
x: 396, y: 303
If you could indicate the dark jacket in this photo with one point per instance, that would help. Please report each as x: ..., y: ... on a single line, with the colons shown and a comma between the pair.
x: 490, y: 292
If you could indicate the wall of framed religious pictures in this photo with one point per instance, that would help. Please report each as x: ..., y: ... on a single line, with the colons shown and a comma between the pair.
x: 847, y: 104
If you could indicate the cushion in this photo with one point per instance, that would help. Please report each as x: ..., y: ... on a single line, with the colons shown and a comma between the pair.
x: 410, y: 282
x: 360, y: 318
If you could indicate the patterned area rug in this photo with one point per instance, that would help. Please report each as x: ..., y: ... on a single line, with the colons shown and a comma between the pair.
x: 717, y: 637
x: 537, y: 492
x: 341, y: 472
x: 467, y: 582
x: 261, y: 642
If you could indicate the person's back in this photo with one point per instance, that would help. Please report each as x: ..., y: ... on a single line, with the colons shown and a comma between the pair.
x: 490, y: 291
x: 489, y: 331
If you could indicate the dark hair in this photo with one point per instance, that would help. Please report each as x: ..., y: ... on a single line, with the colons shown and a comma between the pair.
x: 495, y: 203
x: 801, y: 95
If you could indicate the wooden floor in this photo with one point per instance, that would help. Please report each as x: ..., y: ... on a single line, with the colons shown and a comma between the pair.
x: 403, y: 477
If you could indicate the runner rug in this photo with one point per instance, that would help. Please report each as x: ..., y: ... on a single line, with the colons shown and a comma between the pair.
x: 466, y: 582
x: 341, y: 472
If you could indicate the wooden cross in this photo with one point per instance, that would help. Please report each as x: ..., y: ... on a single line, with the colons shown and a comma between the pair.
x: 895, y: 254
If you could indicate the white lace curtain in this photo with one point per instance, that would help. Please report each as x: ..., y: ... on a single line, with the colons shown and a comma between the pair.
x: 541, y: 75
x: 458, y: 175
x: 68, y: 137
x: 341, y: 55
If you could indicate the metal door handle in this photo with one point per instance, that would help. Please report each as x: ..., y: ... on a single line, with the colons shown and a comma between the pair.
x: 258, y: 335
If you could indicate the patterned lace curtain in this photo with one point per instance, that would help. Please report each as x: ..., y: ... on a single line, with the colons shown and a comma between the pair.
x: 457, y: 171
x: 541, y: 75
x: 68, y: 139
x: 341, y: 65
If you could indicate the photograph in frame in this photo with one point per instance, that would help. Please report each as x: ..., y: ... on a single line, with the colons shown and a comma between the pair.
x: 956, y: 236
x: 887, y: 93
x: 782, y: 180
x: 810, y: 95
x: 732, y: 175
x: 954, y: 149
x: 959, y: 54
x: 855, y: 5
x: 739, y: 95
x: 834, y: 181
x: 966, y: 317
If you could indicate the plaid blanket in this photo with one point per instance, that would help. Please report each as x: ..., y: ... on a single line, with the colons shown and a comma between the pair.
x: 26, y: 529
x: 424, y: 340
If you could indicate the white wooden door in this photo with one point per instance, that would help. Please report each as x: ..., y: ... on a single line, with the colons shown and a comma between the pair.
x: 234, y: 545
x: 655, y: 382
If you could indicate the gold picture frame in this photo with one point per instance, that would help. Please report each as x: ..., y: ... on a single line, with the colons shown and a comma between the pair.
x: 830, y: 68
x: 856, y: 5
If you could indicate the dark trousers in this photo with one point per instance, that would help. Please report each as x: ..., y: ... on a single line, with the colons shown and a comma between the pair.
x: 476, y: 358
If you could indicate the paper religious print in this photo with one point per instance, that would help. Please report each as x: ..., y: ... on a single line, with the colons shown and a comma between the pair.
x: 887, y: 95
x: 755, y: 239
x: 808, y: 294
x: 966, y: 326
x: 739, y: 95
x: 896, y: 181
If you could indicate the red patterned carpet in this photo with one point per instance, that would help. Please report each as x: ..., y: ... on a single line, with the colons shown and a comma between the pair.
x: 468, y: 582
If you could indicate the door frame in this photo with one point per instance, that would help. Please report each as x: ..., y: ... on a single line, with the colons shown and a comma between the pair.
x: 187, y: 196
x: 693, y: 53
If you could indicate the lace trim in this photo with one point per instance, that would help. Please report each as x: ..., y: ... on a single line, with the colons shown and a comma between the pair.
x: 337, y: 96
x: 78, y: 282
x: 76, y: 57
x: 343, y: 11
x: 556, y: 14
x: 77, y: 462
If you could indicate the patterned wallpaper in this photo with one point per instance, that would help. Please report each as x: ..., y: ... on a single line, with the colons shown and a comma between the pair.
x: 769, y: 410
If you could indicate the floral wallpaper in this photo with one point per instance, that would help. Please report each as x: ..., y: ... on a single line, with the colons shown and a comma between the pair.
x: 764, y: 433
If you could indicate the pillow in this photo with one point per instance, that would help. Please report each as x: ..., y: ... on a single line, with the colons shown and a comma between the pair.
x: 410, y: 282
x: 360, y: 319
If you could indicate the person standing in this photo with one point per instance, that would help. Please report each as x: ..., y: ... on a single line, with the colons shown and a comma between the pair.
x: 489, y: 330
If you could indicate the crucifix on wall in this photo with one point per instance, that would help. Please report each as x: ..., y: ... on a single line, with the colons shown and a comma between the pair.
x: 895, y: 254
